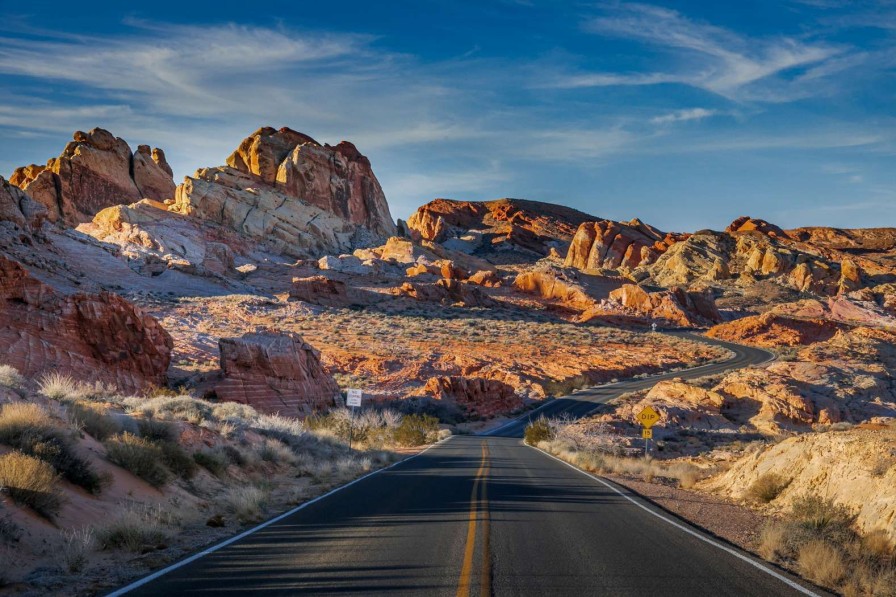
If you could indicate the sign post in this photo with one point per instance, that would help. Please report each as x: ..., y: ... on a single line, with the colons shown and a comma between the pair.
x: 353, y: 400
x: 648, y: 417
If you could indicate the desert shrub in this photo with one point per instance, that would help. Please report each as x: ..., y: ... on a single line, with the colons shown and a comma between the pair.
x: 93, y: 420
x: 134, y: 529
x: 821, y: 562
x: 415, y: 430
x: 537, y: 431
x: 822, y: 515
x: 173, y: 408
x: 76, y: 544
x: 767, y: 487
x: 177, y: 460
x: 247, y: 503
x: 31, y: 482
x: 11, y: 378
x: 29, y: 429
x: 57, y: 386
x: 235, y: 412
x: 139, y: 456
x: 273, y: 450
x: 773, y: 541
x: 211, y: 460
x: 157, y: 431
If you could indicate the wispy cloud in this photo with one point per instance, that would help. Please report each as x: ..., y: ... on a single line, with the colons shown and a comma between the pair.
x: 684, y: 116
x: 705, y: 56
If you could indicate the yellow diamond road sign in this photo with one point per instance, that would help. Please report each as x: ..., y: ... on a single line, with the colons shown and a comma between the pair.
x: 648, y: 417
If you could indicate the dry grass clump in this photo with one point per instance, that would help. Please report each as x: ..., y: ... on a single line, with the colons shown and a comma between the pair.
x: 63, y: 388
x: 247, y: 503
x: 135, y: 529
x: 30, y: 429
x: 767, y: 487
x: 76, y: 544
x: 818, y: 539
x: 93, y: 420
x: 31, y: 482
x: 11, y: 378
x: 139, y: 456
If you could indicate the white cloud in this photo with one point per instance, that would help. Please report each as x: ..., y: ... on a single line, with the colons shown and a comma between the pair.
x: 684, y: 116
x: 704, y: 56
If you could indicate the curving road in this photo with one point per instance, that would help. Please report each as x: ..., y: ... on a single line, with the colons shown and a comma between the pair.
x: 482, y: 515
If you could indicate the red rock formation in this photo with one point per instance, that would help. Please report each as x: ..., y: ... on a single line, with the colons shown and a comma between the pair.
x: 553, y: 285
x: 486, y: 278
x: 611, y: 245
x: 477, y: 395
x: 507, y: 223
x: 275, y: 373
x: 446, y: 292
x: 772, y: 329
x: 676, y: 306
x: 320, y: 290
x: 748, y: 224
x: 94, y: 171
x: 337, y: 179
x: 91, y: 337
x: 19, y: 208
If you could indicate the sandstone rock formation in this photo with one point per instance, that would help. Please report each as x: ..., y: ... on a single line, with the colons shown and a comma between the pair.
x: 153, y: 238
x: 477, y: 396
x: 854, y: 468
x: 94, y: 171
x: 772, y: 329
x: 275, y: 374
x: 606, y: 244
x: 291, y: 194
x: 682, y: 405
x: 748, y: 224
x: 676, y: 306
x: 90, y: 337
x: 320, y: 290
x: 504, y: 224
x: 336, y: 179
x: 18, y: 208
x: 445, y: 292
x: 555, y: 284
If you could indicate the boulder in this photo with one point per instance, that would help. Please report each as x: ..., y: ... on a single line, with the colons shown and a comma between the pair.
x: 476, y: 395
x: 748, y: 224
x: 320, y: 290
x: 445, y: 292
x: 94, y: 171
x: 275, y: 374
x: 554, y: 284
x: 90, y: 337
x: 676, y: 306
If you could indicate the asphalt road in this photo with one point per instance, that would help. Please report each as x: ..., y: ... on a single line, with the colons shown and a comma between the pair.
x: 480, y: 515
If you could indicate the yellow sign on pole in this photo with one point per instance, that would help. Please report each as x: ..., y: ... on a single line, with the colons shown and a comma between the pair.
x: 647, y: 433
x: 648, y: 417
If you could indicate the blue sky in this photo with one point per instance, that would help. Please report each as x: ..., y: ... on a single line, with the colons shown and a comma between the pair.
x: 684, y: 114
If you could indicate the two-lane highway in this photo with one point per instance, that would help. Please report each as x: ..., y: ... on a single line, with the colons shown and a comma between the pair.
x: 481, y: 515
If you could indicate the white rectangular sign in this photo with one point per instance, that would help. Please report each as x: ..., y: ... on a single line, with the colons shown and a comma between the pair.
x: 354, y: 398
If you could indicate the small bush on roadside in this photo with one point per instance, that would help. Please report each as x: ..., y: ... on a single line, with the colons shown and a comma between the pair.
x: 177, y: 460
x: 773, y: 541
x: 57, y: 386
x: 31, y: 482
x: 11, y: 378
x: 823, y: 515
x: 93, y: 420
x: 212, y: 461
x: 767, y: 487
x: 139, y: 456
x: 247, y: 503
x: 538, y: 431
x: 29, y: 429
x: 134, y: 529
x: 76, y: 544
x: 415, y: 430
x: 157, y: 431
x: 821, y: 562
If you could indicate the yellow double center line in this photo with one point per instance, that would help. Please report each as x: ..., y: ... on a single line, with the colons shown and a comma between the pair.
x: 478, y: 508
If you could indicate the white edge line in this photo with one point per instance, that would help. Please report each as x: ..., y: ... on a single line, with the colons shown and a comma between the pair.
x: 159, y: 573
x: 736, y: 553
